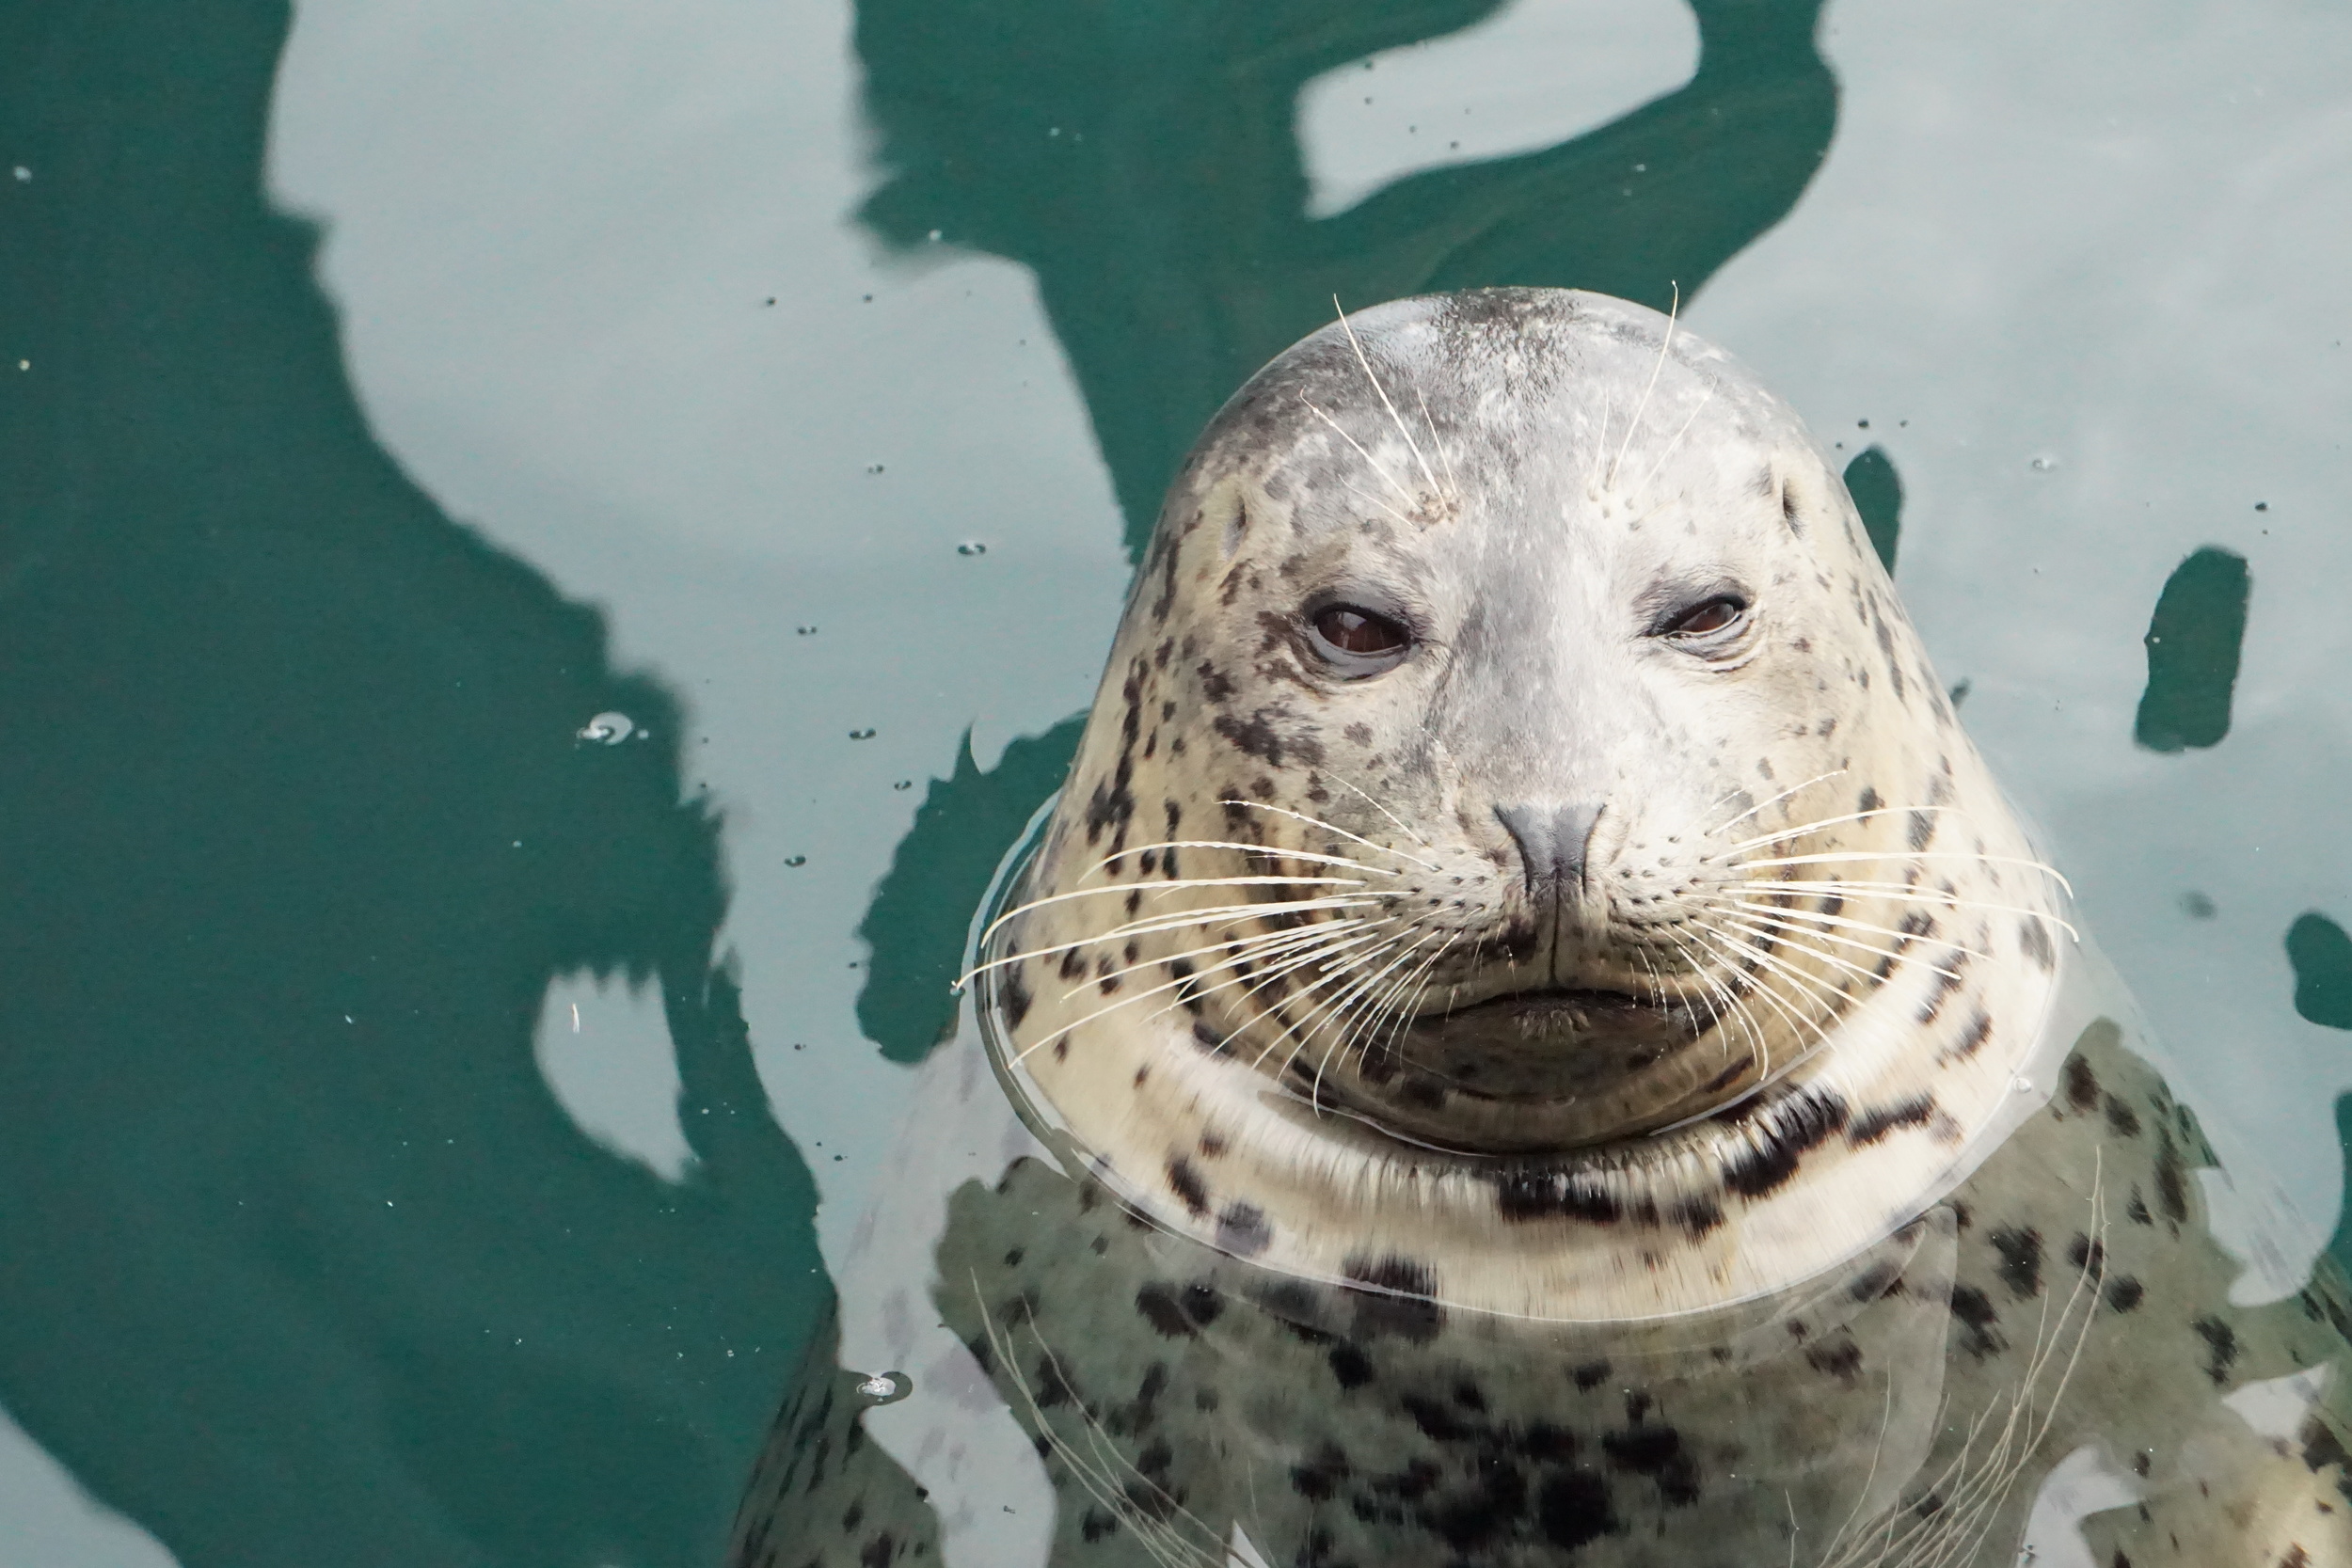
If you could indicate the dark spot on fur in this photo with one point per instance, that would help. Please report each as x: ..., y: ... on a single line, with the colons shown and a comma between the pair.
x: 1242, y: 1231
x: 2088, y: 1257
x: 2136, y: 1207
x: 1322, y: 1475
x: 1973, y: 1310
x: 1868, y: 799
x: 1879, y: 1280
x: 1655, y: 1451
x: 878, y: 1552
x: 1572, y: 1508
x: 1437, y: 1419
x: 1258, y: 737
x: 2036, y: 942
x: 1872, y: 1125
x: 2221, y: 1347
x: 2081, y: 1083
x: 1591, y: 1374
x: 1532, y: 1194
x: 2321, y: 1446
x: 1920, y: 830
x: 1350, y: 1365
x: 1781, y: 1135
x: 1214, y: 686
x: 1840, y: 1358
x: 2124, y: 1292
x: 1208, y: 1039
x: 1972, y: 1038
x: 2122, y: 1117
x: 1017, y: 997
x: 1186, y: 1184
x: 2020, y: 1247
x: 1157, y: 1303
x: 2171, y: 1179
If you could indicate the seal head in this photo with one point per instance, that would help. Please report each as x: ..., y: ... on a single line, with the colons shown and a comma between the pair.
x: 1519, y: 834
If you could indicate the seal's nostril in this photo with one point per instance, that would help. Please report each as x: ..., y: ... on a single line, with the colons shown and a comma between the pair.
x: 1553, y: 839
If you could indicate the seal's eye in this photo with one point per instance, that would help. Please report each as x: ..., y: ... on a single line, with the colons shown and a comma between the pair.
x: 1704, y: 619
x: 1358, y: 639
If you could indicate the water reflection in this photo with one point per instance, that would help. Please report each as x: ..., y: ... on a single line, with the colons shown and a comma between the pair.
x: 305, y: 1265
x: 1145, y: 163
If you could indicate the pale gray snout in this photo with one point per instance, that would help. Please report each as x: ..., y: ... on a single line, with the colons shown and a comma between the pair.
x: 1552, y: 840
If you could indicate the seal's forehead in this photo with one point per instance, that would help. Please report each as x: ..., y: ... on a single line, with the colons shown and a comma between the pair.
x: 1525, y: 364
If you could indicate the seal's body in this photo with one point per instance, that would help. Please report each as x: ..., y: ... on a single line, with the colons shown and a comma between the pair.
x: 1557, y: 1050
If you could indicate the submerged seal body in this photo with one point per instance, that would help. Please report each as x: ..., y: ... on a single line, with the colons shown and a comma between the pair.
x: 1555, y: 1049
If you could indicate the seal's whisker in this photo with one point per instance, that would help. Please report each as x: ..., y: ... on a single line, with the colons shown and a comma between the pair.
x: 1905, y: 891
x: 1802, y: 828
x: 1411, y: 445
x: 1633, y: 426
x: 1708, y: 397
x: 1769, y: 800
x: 1174, y: 920
x: 1375, y: 502
x: 1801, y: 936
x: 1722, y: 1004
x: 1453, y: 489
x: 1405, y: 827
x: 1328, y: 827
x: 1012, y: 914
x: 1286, y: 1029
x: 1293, y: 959
x: 1791, y: 912
x: 1397, y: 1002
x: 1344, y: 1007
x: 1412, y: 950
x: 1762, y: 955
x: 1177, y: 985
x: 1345, y: 975
x: 1269, y: 852
x: 1370, y: 461
x: 1908, y: 855
x: 1247, y: 942
x: 1804, y: 941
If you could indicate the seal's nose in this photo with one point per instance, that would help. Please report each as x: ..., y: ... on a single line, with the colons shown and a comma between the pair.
x: 1551, y: 840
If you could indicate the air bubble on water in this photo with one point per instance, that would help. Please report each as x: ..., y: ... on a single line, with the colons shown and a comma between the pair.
x: 2022, y: 1085
x: 805, y: 631
x: 860, y: 735
x: 22, y: 174
x: 903, y: 783
x: 885, y: 1388
x: 796, y: 860
x: 2045, y: 463
x: 610, y: 728
x: 972, y: 547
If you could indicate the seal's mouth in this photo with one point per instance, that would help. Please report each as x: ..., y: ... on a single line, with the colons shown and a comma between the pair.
x: 1549, y: 1040
x: 1545, y: 1011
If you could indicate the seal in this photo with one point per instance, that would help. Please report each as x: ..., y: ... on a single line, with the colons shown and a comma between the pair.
x: 1545, y: 1044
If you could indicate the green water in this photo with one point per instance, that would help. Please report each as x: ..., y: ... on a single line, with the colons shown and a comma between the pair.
x: 388, y: 393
